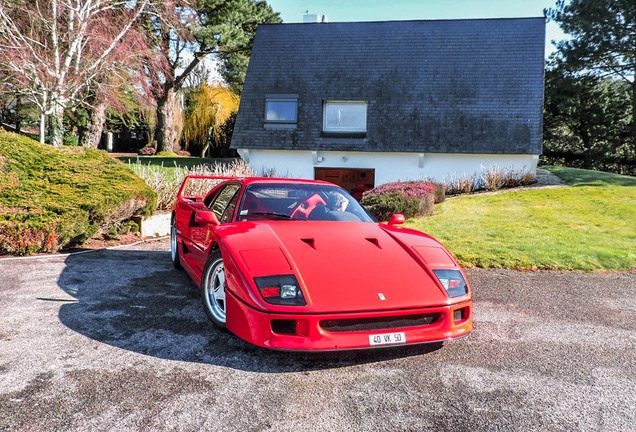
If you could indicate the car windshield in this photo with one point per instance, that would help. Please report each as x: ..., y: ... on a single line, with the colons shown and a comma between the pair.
x: 289, y: 201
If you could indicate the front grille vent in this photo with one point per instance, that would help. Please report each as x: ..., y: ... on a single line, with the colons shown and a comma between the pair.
x: 378, y: 323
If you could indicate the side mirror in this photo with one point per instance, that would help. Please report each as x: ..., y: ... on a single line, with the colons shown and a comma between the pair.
x: 397, y: 219
x: 205, y: 217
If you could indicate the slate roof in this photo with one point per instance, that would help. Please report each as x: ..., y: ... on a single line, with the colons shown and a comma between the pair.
x: 443, y: 86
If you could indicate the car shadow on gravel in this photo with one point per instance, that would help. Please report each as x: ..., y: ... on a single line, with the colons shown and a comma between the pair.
x: 136, y: 301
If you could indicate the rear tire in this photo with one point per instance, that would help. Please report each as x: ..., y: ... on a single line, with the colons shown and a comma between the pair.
x: 213, y: 289
x: 174, y: 245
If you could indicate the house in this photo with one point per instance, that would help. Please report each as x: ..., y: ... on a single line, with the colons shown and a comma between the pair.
x: 374, y: 102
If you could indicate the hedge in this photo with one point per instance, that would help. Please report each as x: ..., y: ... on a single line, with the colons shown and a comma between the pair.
x: 55, y: 197
x: 412, y: 199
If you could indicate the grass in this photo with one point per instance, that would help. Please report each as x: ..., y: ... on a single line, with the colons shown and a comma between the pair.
x: 582, y: 177
x: 589, y: 226
x: 168, y: 163
x: 51, y: 197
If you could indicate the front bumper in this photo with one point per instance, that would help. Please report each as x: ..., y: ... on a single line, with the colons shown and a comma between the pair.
x: 307, y: 331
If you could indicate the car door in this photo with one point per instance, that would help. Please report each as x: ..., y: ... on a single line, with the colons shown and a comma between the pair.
x: 223, y: 206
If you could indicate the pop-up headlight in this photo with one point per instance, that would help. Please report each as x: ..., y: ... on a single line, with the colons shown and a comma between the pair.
x: 281, y: 290
x: 452, y: 281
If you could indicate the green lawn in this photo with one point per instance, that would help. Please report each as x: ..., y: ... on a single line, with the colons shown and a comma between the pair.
x: 168, y: 162
x: 588, y: 226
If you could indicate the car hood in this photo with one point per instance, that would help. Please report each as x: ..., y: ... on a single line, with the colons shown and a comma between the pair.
x: 346, y: 266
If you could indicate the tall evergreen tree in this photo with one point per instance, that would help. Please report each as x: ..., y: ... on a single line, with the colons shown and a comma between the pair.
x: 603, y: 39
x: 586, y: 119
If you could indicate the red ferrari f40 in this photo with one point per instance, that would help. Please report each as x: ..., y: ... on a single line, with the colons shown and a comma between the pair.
x: 300, y: 265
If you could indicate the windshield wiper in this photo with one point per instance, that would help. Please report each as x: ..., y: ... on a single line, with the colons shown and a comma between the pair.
x: 278, y: 215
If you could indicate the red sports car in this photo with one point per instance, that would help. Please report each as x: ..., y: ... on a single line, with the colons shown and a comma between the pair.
x: 300, y: 265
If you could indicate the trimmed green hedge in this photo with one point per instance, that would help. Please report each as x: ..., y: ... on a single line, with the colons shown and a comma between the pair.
x: 53, y: 197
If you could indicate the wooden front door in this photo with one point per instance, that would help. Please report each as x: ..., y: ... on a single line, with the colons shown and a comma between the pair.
x: 354, y: 180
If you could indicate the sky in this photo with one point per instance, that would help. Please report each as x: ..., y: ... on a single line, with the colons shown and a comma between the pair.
x: 386, y: 10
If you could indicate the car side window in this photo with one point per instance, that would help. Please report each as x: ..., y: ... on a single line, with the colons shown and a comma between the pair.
x: 229, y: 210
x: 223, y: 201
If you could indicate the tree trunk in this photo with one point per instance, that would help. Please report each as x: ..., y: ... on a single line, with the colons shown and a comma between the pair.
x: 588, y: 157
x: 634, y: 110
x: 169, y: 122
x: 18, y: 120
x: 56, y: 131
x: 94, y: 127
x: 206, y: 146
x: 42, y: 128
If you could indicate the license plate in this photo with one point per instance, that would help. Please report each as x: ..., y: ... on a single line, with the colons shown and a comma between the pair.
x: 387, y: 338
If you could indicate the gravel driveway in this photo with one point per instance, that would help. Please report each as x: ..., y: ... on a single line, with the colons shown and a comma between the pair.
x: 117, y: 340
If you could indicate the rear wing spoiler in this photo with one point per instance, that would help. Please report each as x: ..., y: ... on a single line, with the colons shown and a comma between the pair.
x: 197, y: 193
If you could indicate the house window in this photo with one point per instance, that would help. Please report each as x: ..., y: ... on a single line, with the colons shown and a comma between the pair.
x: 281, y: 108
x: 344, y: 117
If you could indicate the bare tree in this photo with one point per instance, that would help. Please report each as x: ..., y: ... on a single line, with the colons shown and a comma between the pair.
x: 54, y: 51
x: 120, y: 89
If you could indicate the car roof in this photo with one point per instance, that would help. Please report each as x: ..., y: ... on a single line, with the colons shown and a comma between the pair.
x: 271, y: 180
x: 246, y: 181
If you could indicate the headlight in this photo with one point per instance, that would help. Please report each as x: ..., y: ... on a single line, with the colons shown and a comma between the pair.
x: 281, y: 290
x: 452, y: 281
x: 288, y: 291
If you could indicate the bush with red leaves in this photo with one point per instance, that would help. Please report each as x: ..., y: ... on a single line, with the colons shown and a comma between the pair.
x: 412, y: 199
x: 147, y: 151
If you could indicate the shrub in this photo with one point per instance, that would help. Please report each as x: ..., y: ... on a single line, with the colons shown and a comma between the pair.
x: 70, y: 140
x: 412, y: 199
x: 147, y: 151
x: 183, y: 153
x: 458, y: 185
x: 120, y: 229
x: 526, y: 178
x: 440, y: 193
x: 166, y: 154
x: 412, y: 189
x: 491, y: 179
x: 494, y: 178
x: 51, y: 198
x: 383, y: 205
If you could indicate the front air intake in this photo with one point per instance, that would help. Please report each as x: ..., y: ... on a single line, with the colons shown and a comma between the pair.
x: 379, y: 323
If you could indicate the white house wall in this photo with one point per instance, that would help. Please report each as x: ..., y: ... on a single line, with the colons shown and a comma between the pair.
x: 389, y: 167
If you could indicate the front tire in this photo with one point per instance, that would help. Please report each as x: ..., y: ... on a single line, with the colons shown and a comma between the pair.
x: 213, y: 289
x: 174, y: 245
